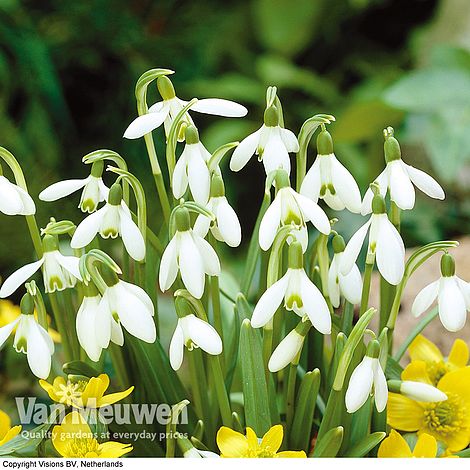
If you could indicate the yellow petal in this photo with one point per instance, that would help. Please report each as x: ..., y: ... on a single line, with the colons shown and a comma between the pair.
x: 403, y: 413
x: 114, y: 397
x: 458, y: 356
x: 272, y: 440
x: 457, y: 382
x: 252, y: 439
x: 5, y: 424
x: 113, y: 450
x: 94, y: 390
x: 454, y: 441
x: 11, y: 433
x: 417, y: 372
x: 394, y: 446
x: 426, y: 446
x: 231, y: 443
x: 51, y: 389
x: 421, y: 349
x: 73, y: 426
x: 291, y: 454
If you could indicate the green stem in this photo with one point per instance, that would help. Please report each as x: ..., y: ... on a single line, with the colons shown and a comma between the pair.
x: 195, y: 377
x: 366, y: 286
x: 220, y: 390
x: 348, y: 317
x: 119, y: 365
x: 61, y: 327
x: 215, y: 295
x: 290, y: 395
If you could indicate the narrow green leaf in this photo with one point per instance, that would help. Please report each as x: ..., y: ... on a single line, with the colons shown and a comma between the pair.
x: 363, y: 447
x: 80, y: 368
x: 330, y: 444
x: 393, y: 370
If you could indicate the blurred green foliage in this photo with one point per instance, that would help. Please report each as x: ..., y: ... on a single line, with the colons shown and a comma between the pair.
x: 68, y: 70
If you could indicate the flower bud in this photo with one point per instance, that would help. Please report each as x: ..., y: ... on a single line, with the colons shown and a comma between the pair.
x: 286, y: 351
x: 418, y: 391
x: 447, y: 265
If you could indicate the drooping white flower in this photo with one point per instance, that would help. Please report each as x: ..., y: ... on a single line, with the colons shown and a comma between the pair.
x: 384, y: 242
x: 299, y: 294
x: 196, y: 453
x: 189, y: 254
x: 122, y: 305
x: 329, y: 180
x: 86, y: 325
x: 226, y: 226
x: 192, y: 332
x: 367, y: 378
x: 289, y: 348
x: 191, y: 168
x: 30, y: 339
x: 15, y: 200
x: 110, y: 221
x: 290, y: 208
x: 453, y: 297
x: 164, y: 112
x: 94, y: 190
x: 272, y: 143
x: 350, y: 285
x: 60, y: 272
x: 420, y: 391
x: 398, y: 178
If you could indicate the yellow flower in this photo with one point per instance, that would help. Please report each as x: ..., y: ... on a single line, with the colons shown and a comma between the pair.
x: 448, y: 421
x: 74, y: 439
x: 10, y: 312
x: 83, y: 394
x: 423, y: 350
x: 7, y: 433
x: 232, y: 444
x: 395, y: 446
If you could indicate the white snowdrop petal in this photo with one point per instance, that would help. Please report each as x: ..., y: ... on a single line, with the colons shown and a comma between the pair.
x: 169, y: 265
x: 29, y: 208
x: 177, y: 347
x: 117, y: 335
x: 382, y: 181
x: 289, y: 139
x: 88, y: 228
x: 131, y: 236
x: 146, y: 123
x: 345, y: 186
x: 452, y: 309
x: 333, y: 284
x: 312, y: 182
x: 313, y: 213
x: 353, y: 248
x: 423, y: 392
x: 360, y: 385
x: 202, y: 225
x: 69, y: 263
x: 465, y: 289
x: 401, y: 189
x: 85, y: 325
x: 140, y: 294
x: 204, y: 335
x: 38, y: 352
x: 228, y: 223
x: 315, y: 305
x: 191, y: 265
x: 351, y: 285
x: 10, y: 200
x: 19, y: 277
x: 425, y: 298
x: 103, y: 320
x: 269, y: 224
x: 244, y: 151
x: 269, y: 302
x: 61, y: 189
x: 425, y: 183
x: 390, y: 252
x: 209, y: 257
x: 5, y: 331
x: 275, y: 155
x: 198, y: 178
x: 219, y: 107
x: 180, y: 178
x: 286, y: 351
x: 380, y: 387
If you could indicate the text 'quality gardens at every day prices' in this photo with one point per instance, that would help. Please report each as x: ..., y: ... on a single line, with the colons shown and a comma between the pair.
x: 273, y: 353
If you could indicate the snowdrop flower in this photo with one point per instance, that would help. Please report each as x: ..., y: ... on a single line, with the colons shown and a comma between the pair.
x: 290, y: 208
x: 191, y: 168
x: 164, y: 112
x: 452, y: 293
x: 189, y: 254
x: 94, y: 190
x: 30, y: 339
x: 122, y: 305
x: 110, y: 221
x: 385, y: 244
x: 15, y: 200
x: 272, y: 143
x: 367, y: 376
x: 398, y: 178
x: 197, y: 454
x: 226, y: 227
x: 350, y: 285
x: 192, y: 332
x: 418, y: 391
x: 299, y: 293
x: 329, y: 180
x: 289, y: 348
x: 60, y: 272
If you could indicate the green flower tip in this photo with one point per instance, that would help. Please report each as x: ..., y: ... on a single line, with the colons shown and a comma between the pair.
x: 27, y: 304
x: 49, y: 243
x: 373, y: 349
x: 338, y: 244
x: 391, y: 146
x: 165, y: 88
x: 324, y: 143
x: 191, y: 135
x: 217, y: 186
x: 447, y: 265
x: 182, y: 219
x: 295, y: 257
x: 378, y: 204
x: 271, y: 117
x: 97, y: 169
x: 115, y: 195
x: 282, y: 179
